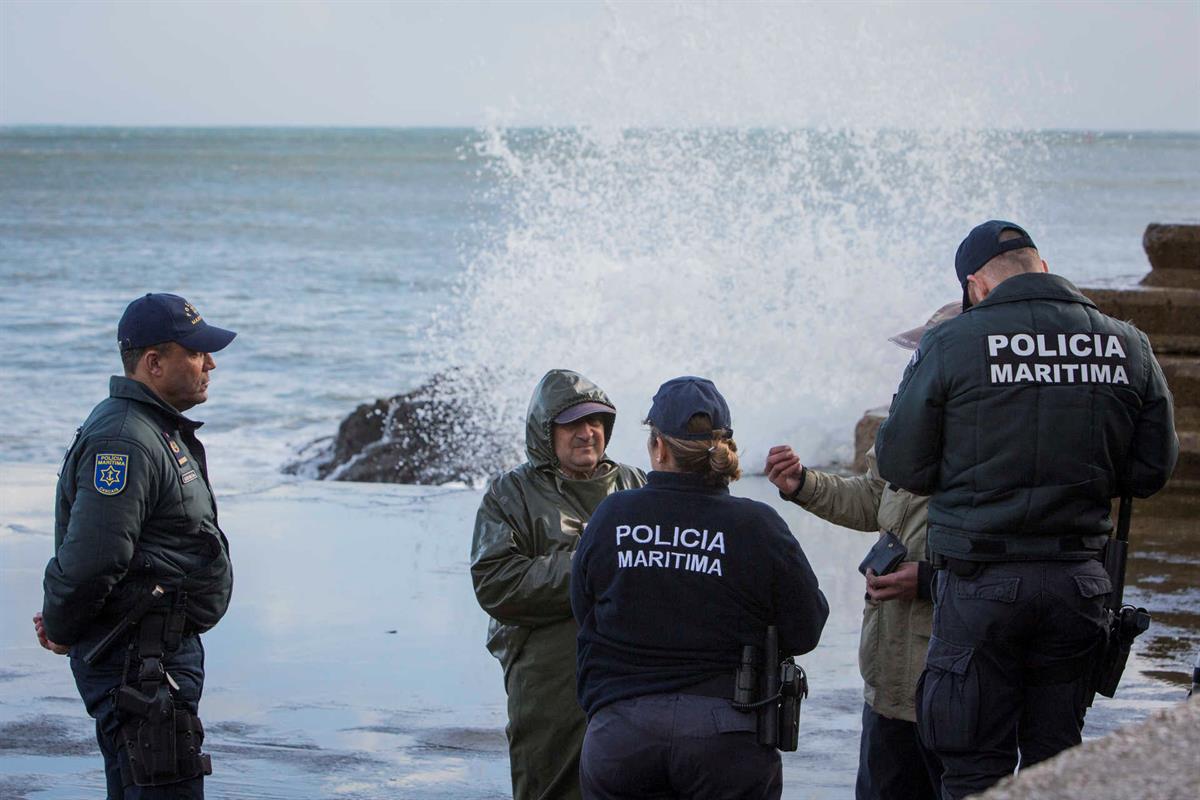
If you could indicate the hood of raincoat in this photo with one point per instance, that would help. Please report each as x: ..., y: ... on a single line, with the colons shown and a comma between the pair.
x: 558, y: 390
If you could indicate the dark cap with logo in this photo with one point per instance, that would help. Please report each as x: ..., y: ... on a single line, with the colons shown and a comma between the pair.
x: 982, y: 245
x: 158, y: 318
x: 679, y: 399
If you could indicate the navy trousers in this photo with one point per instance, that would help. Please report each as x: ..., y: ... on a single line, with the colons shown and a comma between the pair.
x: 677, y: 746
x: 893, y: 764
x: 97, y: 686
x: 1007, y: 675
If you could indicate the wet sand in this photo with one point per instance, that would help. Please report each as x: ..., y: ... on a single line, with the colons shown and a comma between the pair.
x: 351, y: 663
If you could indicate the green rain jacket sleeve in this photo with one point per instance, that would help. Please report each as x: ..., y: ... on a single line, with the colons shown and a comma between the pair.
x: 514, y: 584
x: 1155, y: 443
x: 106, y: 517
x: 908, y: 448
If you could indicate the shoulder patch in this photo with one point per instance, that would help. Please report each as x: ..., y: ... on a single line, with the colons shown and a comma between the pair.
x: 911, y: 366
x: 110, y: 473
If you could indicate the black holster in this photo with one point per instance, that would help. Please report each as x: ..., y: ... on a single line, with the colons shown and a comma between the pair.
x: 773, y: 689
x: 1124, y: 625
x: 161, y: 736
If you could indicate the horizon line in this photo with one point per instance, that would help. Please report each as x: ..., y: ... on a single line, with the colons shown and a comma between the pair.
x: 17, y: 126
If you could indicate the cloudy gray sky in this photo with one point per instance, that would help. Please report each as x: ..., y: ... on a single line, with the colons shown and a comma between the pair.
x: 1081, y: 65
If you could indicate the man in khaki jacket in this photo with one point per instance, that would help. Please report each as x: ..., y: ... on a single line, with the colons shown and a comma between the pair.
x: 893, y: 764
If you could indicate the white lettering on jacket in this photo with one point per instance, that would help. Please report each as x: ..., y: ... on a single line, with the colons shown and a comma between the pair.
x: 1056, y: 358
x: 682, y: 548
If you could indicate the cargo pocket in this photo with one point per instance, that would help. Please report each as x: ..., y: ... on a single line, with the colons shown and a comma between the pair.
x: 948, y: 697
x: 1093, y: 585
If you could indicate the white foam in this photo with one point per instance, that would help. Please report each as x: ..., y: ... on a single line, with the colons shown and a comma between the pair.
x: 669, y: 232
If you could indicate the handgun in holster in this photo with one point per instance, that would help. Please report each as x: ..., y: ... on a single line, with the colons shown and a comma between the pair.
x: 162, y: 737
x: 1124, y: 622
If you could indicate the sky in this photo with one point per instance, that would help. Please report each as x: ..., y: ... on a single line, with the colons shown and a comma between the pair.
x: 1077, y: 65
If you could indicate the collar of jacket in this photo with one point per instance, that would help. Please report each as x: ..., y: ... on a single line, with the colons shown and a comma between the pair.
x: 586, y: 493
x: 683, y: 482
x: 1033, y: 286
x: 129, y: 389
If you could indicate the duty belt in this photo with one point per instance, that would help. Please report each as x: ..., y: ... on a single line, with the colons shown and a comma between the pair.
x: 989, y: 547
x: 717, y: 686
x: 171, y: 626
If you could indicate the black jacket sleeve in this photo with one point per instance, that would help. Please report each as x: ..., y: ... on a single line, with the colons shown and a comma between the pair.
x: 800, y: 606
x: 1155, y: 443
x: 908, y: 448
x: 106, y: 518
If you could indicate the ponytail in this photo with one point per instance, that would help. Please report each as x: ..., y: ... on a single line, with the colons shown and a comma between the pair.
x: 715, y: 458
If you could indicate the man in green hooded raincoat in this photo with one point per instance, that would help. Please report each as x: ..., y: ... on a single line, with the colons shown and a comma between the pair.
x: 526, y: 532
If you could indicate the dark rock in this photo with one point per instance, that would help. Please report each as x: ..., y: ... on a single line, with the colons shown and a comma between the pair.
x: 1172, y: 247
x: 431, y: 435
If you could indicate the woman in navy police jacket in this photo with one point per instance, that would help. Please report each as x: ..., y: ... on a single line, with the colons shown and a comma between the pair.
x: 670, y: 581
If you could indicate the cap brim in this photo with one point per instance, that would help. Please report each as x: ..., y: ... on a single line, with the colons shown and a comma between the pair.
x: 581, y: 410
x: 208, y: 339
x: 909, y: 339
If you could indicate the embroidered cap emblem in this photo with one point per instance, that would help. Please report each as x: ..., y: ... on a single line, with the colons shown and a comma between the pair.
x: 191, y: 313
x: 110, y: 473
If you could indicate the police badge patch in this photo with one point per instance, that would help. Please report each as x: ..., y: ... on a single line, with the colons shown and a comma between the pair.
x: 911, y: 366
x: 111, y: 469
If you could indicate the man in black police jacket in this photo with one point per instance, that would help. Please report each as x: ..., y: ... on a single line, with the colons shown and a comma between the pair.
x: 136, y: 540
x: 1022, y: 418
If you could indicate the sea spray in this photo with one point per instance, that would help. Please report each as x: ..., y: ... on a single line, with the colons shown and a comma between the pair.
x: 775, y: 261
x: 758, y: 195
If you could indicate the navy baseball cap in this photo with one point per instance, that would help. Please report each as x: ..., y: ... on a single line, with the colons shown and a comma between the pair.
x: 679, y: 399
x: 982, y: 245
x: 157, y: 318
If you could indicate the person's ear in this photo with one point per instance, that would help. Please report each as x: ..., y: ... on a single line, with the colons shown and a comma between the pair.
x: 152, y: 361
x: 655, y: 447
x: 977, y: 288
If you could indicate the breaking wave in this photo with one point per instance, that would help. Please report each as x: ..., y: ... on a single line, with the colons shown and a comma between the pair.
x: 772, y: 252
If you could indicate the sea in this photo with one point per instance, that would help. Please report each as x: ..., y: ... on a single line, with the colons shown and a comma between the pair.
x: 359, y: 263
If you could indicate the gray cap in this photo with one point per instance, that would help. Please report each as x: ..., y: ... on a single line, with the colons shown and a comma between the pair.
x: 581, y: 410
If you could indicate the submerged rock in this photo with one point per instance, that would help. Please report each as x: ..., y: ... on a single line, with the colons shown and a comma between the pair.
x: 435, y: 434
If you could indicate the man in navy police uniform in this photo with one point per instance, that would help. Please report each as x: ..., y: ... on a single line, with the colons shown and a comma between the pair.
x: 136, y: 540
x: 1023, y: 418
